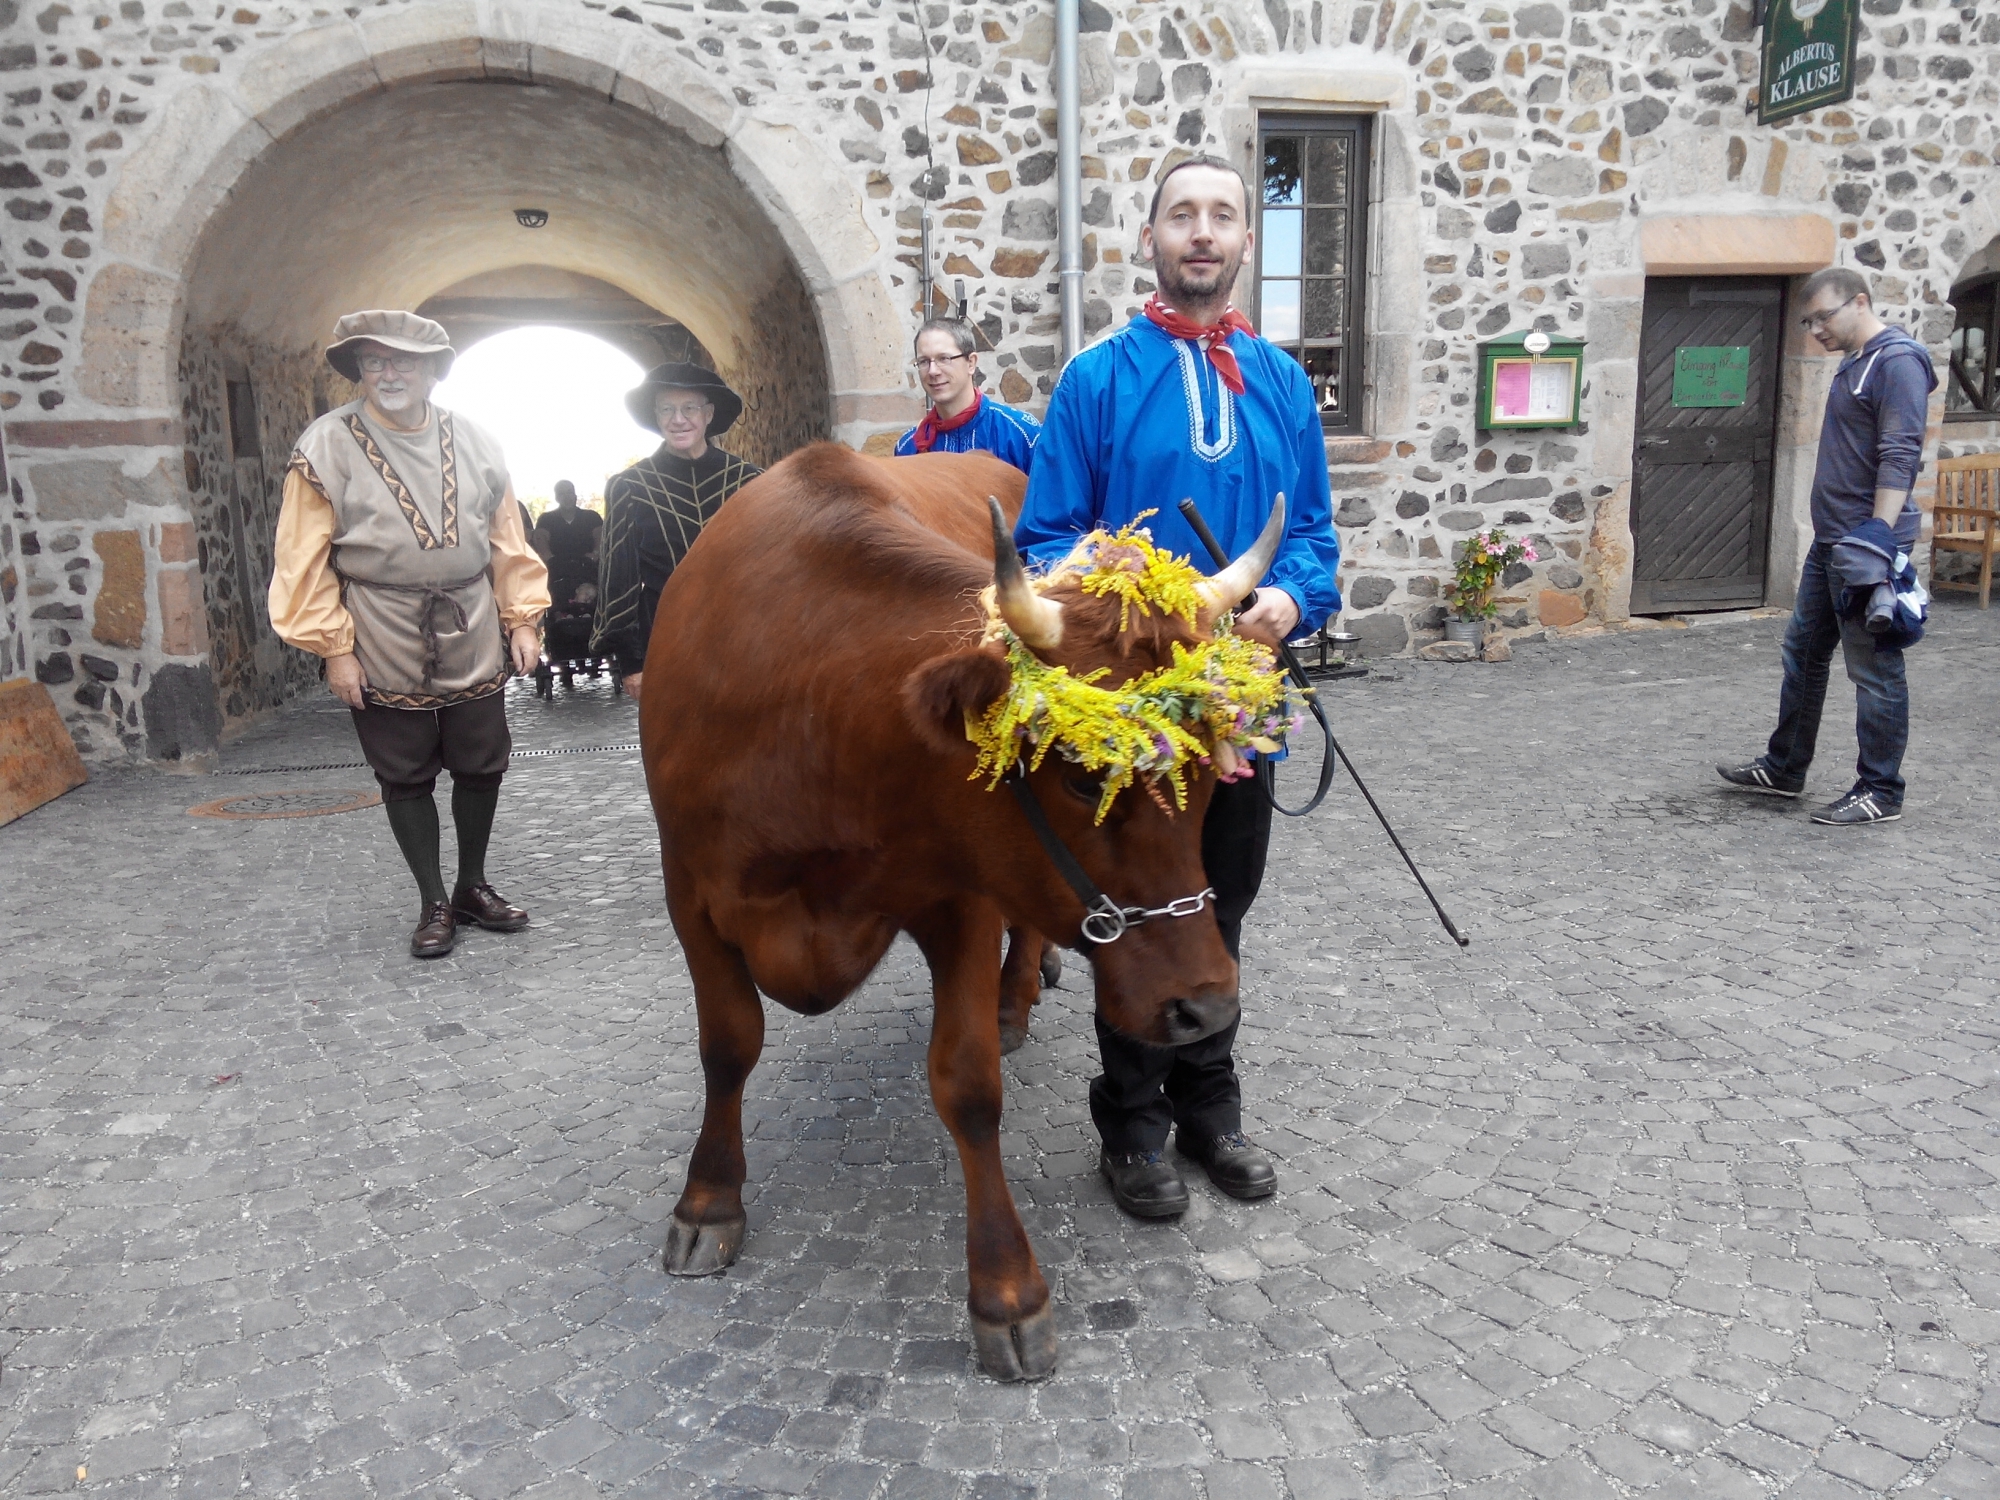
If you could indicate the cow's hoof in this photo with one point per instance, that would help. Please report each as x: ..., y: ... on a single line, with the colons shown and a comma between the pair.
x: 1011, y: 1038
x: 1017, y: 1351
x: 1051, y: 967
x: 701, y: 1249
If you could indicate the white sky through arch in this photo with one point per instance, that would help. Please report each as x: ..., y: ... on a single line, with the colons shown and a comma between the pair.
x: 555, y: 399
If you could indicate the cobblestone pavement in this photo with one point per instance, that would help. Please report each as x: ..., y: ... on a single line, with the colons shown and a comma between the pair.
x: 1680, y: 1182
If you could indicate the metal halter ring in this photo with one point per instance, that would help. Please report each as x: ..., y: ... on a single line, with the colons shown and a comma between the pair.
x: 1107, y: 922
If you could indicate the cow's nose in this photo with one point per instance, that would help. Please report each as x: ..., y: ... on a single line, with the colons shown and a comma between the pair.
x: 1189, y: 1020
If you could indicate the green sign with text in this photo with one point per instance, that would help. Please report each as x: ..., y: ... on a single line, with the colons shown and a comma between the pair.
x: 1808, y: 57
x: 1711, y: 375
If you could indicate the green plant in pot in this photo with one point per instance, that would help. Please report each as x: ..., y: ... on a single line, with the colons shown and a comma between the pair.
x: 1479, y: 562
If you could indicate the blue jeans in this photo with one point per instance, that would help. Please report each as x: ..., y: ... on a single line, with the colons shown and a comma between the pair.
x: 1881, y: 694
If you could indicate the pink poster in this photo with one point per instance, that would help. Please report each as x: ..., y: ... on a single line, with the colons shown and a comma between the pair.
x: 1510, y: 388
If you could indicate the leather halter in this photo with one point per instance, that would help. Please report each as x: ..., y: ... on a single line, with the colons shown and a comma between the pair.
x: 1104, y: 921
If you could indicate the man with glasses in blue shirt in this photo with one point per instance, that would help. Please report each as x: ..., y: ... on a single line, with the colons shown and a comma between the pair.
x: 1871, y: 446
x: 961, y: 418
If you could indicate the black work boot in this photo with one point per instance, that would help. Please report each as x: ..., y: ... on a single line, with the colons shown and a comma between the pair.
x: 1236, y: 1165
x: 1144, y: 1183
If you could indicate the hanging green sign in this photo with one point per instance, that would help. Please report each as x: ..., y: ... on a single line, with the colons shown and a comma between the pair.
x: 1711, y: 375
x: 1808, y: 57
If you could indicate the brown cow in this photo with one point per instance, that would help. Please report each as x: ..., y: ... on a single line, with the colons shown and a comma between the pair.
x: 811, y: 665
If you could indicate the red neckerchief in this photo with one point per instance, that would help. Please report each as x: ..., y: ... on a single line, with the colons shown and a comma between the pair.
x: 933, y: 424
x: 1213, y: 339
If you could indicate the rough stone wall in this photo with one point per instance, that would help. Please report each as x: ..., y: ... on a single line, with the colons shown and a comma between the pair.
x: 779, y: 369
x: 235, y: 503
x: 1521, y: 149
x: 14, y: 660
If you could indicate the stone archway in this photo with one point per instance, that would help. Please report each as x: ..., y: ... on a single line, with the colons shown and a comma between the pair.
x: 481, y: 306
x: 380, y: 163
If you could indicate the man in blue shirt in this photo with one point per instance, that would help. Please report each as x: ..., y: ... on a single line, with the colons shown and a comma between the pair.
x: 961, y: 418
x: 1187, y: 402
x: 1871, y: 446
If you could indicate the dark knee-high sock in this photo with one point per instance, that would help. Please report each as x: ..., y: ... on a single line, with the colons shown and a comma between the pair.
x: 414, y: 821
x: 472, y: 811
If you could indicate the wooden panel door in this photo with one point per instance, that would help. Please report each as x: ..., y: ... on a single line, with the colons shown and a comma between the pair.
x: 1701, y: 474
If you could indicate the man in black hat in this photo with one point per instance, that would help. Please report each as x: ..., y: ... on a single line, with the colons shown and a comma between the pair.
x: 654, y: 510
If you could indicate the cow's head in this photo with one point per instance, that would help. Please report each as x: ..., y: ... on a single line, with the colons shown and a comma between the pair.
x: 1171, y: 980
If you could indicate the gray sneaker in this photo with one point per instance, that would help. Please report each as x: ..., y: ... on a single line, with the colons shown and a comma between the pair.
x: 1857, y: 807
x: 1757, y: 777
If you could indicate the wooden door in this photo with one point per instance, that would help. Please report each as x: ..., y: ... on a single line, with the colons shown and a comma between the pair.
x: 1701, y: 471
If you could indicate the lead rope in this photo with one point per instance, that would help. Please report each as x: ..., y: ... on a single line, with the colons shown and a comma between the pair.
x: 1104, y: 920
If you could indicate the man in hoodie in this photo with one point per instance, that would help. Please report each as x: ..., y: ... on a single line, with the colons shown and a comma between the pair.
x: 1870, y: 449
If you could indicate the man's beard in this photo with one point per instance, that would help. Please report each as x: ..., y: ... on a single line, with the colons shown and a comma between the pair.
x: 1177, y: 293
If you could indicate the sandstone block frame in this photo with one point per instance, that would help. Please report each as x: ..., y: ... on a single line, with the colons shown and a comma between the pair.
x: 1392, y: 307
x: 1705, y: 243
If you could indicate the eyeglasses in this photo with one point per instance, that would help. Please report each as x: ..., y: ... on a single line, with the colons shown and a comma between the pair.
x: 690, y: 412
x: 402, y: 364
x: 1814, y: 322
x: 938, y: 361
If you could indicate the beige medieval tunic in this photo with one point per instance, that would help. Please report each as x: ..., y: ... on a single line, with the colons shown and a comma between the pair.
x: 407, y: 549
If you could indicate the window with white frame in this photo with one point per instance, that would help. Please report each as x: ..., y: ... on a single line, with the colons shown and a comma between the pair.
x: 1312, y: 221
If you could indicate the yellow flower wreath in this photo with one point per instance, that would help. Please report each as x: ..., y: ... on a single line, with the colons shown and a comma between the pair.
x: 1229, y: 690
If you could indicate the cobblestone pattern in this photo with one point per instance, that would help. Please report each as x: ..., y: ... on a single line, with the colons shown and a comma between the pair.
x: 1680, y: 1182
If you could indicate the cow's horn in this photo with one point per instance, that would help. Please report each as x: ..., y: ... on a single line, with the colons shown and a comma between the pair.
x: 1036, y: 620
x: 1233, y: 584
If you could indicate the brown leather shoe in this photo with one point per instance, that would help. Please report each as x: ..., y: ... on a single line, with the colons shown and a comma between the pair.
x: 487, y: 907
x: 437, y: 931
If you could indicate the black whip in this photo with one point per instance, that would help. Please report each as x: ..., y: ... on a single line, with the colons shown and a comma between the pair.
x: 1334, y: 752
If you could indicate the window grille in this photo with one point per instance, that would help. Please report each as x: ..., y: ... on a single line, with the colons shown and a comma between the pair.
x: 1972, y: 386
x: 1312, y: 236
x: 243, y: 442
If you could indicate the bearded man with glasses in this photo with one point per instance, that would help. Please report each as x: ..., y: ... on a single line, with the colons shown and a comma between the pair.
x: 401, y: 560
x: 654, y: 510
x: 1871, y: 446
x: 961, y: 418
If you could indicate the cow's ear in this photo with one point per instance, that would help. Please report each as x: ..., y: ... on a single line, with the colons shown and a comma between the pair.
x: 941, y: 692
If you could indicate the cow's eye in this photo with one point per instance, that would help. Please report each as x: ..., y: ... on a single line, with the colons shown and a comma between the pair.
x: 1085, y: 786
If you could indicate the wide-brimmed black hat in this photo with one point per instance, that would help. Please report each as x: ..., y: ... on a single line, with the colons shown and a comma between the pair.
x: 679, y: 375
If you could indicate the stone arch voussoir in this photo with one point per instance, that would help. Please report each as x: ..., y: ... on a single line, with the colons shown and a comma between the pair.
x: 209, y: 135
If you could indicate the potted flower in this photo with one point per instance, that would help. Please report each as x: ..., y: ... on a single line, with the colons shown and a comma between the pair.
x: 1481, y: 560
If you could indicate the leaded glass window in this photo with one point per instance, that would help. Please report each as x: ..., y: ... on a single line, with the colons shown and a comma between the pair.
x: 1311, y: 234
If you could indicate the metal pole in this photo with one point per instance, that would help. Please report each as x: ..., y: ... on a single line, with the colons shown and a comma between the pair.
x: 1069, y: 180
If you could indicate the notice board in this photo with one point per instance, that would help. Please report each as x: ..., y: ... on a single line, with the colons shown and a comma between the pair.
x: 1711, y: 374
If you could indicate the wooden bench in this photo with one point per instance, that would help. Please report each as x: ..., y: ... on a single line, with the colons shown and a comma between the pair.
x: 1967, y: 519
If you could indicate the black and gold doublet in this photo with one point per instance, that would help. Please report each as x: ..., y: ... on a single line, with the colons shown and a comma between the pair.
x: 653, y: 511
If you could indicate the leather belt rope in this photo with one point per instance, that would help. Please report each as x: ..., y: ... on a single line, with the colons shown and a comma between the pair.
x: 433, y: 594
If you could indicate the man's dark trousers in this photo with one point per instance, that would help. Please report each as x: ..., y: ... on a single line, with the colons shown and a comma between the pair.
x: 1881, y: 693
x: 1145, y: 1090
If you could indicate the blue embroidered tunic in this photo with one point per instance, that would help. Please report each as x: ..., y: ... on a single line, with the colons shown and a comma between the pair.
x: 999, y: 430
x: 1142, y: 421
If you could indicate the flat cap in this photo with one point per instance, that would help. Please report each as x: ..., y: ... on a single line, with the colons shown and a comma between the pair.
x: 392, y: 329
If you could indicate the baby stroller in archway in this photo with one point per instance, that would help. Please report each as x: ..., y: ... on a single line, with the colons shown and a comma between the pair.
x: 566, y: 631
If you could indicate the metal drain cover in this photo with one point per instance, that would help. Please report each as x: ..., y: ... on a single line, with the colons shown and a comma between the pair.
x: 303, y: 804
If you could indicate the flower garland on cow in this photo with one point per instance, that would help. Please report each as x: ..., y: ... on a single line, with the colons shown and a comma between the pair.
x: 1217, y: 703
